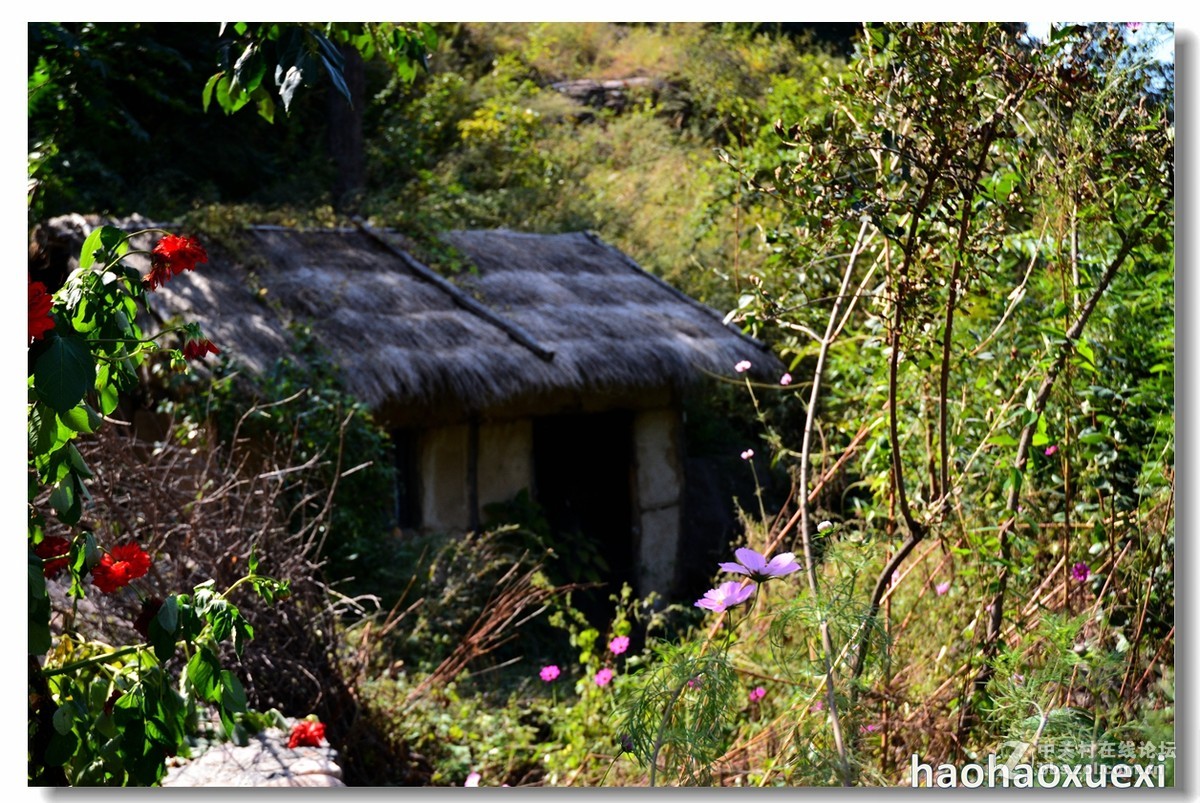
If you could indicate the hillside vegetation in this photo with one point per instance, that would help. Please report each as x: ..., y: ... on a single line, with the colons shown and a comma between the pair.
x: 959, y: 239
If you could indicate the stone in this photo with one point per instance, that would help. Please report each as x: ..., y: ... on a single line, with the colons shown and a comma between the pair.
x: 265, y: 761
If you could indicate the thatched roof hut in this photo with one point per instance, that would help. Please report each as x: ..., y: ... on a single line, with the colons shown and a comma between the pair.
x: 491, y: 374
x: 535, y: 316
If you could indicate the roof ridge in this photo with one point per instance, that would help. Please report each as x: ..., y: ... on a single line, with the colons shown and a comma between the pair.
x: 511, y: 328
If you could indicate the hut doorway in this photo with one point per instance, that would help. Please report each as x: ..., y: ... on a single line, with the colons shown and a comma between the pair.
x: 583, y: 472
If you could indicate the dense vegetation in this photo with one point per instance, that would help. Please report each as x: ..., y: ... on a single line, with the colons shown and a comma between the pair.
x: 961, y: 241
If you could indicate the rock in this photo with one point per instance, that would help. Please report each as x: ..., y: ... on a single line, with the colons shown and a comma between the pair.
x: 265, y: 761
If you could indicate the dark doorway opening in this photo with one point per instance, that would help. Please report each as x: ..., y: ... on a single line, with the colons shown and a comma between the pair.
x: 408, y: 489
x: 583, y: 476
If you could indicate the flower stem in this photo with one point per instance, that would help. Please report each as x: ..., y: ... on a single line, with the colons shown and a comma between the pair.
x: 99, y: 659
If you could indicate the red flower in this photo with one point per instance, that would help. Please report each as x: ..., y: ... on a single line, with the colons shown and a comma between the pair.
x: 122, y: 564
x: 307, y: 733
x: 54, y: 551
x: 199, y: 349
x: 171, y: 257
x: 40, y: 302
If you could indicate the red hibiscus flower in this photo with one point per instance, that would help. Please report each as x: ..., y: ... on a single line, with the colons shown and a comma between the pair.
x: 40, y: 321
x: 171, y: 257
x: 122, y: 564
x: 199, y: 349
x: 307, y: 733
x: 54, y: 551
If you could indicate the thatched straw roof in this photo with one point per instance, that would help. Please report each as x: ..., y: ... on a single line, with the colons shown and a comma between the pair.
x: 542, y: 314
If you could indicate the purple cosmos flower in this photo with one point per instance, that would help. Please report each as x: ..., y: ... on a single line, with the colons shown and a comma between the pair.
x: 758, y: 567
x: 742, y: 366
x: 549, y: 673
x: 603, y: 676
x: 473, y: 779
x: 786, y: 379
x: 1051, y: 449
x: 618, y: 645
x: 757, y: 693
x: 725, y: 596
x: 942, y: 588
x: 746, y: 455
x: 1081, y: 572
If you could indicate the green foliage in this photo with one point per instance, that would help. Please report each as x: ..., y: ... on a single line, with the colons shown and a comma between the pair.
x: 296, y: 54
x: 103, y: 715
x: 996, y: 405
x: 570, y: 556
x: 683, y: 713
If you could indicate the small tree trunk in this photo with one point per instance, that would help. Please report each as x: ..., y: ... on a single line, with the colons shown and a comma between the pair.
x: 346, y: 135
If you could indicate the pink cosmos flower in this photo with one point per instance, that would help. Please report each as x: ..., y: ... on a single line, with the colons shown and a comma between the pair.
x: 742, y: 366
x: 725, y: 596
x: 757, y: 693
x: 1051, y: 449
x: 758, y: 568
x: 473, y: 779
x: 618, y: 645
x: 549, y: 673
x: 869, y: 728
x: 746, y: 455
x: 942, y: 588
x: 694, y: 683
x: 1081, y: 572
x: 819, y: 705
x: 603, y: 676
x: 786, y: 379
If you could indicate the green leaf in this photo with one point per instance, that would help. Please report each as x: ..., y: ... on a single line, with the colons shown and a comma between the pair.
x: 233, y: 695
x: 1002, y: 440
x: 1063, y: 32
x: 62, y: 719
x: 163, y: 642
x: 334, y: 63
x: 43, y: 430
x: 1040, y: 438
x: 207, y: 95
x: 77, y: 465
x: 110, y: 397
x: 63, y: 373
x: 82, y: 418
x: 63, y: 498
x: 222, y: 622
x: 223, y: 94
x: 156, y: 731
x: 250, y: 68
x: 62, y: 746
x: 265, y: 103
x: 168, y: 614
x: 202, y: 671
x: 102, y: 240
